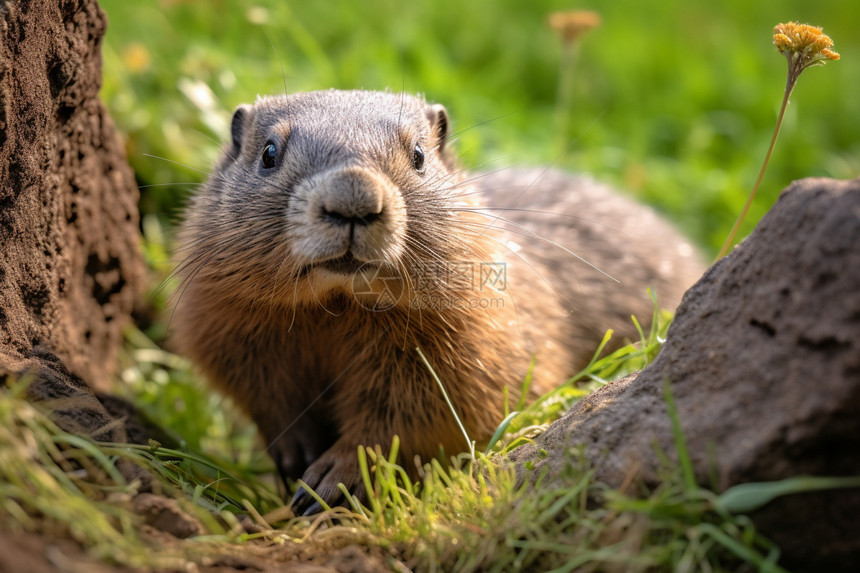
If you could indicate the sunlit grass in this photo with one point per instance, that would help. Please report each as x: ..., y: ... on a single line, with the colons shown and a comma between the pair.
x: 59, y: 484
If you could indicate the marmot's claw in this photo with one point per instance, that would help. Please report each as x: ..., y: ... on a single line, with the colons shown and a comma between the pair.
x: 337, y: 465
x: 305, y: 504
x: 301, y: 501
x: 315, y: 508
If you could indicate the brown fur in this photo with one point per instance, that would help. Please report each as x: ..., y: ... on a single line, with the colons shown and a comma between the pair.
x: 293, y: 340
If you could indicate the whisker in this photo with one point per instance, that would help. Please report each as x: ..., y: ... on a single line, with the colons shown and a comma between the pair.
x: 485, y: 122
x: 280, y: 61
x: 174, y: 184
x: 180, y: 164
x: 529, y: 233
x: 539, y: 212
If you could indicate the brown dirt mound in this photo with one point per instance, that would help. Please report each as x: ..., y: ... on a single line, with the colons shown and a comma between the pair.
x: 70, y: 269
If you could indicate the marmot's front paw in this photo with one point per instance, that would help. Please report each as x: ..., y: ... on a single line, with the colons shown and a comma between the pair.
x: 338, y: 465
x: 295, y: 450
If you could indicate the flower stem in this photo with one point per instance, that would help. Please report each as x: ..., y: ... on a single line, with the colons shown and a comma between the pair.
x: 564, y: 98
x: 789, y: 87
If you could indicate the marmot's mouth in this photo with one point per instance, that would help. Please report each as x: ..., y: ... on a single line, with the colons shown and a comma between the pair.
x: 346, y: 264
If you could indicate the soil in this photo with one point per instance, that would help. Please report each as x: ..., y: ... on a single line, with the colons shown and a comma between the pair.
x: 20, y: 551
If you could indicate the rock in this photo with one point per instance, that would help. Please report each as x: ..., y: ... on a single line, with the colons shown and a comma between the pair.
x: 70, y: 269
x: 764, y: 363
x: 164, y: 514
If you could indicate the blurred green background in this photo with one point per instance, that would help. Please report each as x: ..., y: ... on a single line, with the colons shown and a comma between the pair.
x: 672, y: 101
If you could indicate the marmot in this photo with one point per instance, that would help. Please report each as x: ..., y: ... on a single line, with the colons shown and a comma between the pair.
x: 336, y: 235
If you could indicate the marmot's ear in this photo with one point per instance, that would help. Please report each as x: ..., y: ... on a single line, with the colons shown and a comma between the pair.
x: 437, y: 115
x: 238, y: 126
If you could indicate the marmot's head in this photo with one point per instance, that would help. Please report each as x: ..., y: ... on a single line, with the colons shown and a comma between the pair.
x: 334, y: 193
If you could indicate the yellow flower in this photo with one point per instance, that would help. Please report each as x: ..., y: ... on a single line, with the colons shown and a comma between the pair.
x: 136, y: 58
x: 570, y: 25
x: 803, y: 45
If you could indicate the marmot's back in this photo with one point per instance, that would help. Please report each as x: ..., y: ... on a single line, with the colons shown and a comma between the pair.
x: 599, y: 249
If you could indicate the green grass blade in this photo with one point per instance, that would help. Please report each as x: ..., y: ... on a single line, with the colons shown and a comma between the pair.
x: 680, y: 442
x: 500, y: 431
x: 747, y: 497
x: 470, y: 445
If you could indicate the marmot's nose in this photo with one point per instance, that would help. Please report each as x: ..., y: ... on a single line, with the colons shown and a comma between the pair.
x: 353, y: 197
x: 337, y: 216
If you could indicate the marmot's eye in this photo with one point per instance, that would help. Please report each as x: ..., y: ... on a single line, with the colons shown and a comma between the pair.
x: 418, y: 159
x: 270, y: 155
